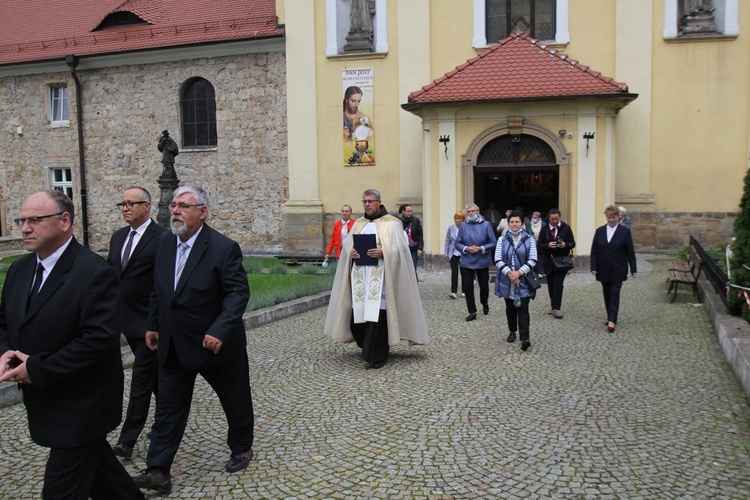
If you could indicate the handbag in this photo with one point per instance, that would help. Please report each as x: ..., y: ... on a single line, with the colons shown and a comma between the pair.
x: 532, y: 278
x: 563, y: 262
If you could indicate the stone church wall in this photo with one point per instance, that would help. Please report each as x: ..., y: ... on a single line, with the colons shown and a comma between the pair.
x: 124, y: 111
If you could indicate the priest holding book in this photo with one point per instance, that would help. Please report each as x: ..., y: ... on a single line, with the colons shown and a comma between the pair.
x: 375, y: 299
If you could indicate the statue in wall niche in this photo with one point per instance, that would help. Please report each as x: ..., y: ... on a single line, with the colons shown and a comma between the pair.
x: 360, y: 37
x: 694, y: 6
x: 169, y: 150
x: 697, y: 17
x: 360, y: 16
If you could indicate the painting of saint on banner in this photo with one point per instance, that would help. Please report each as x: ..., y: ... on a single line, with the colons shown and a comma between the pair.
x: 359, y: 130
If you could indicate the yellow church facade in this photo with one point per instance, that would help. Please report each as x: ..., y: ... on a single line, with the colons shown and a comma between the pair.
x: 582, y: 104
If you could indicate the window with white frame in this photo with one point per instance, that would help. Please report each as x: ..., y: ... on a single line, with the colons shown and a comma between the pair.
x: 61, y: 179
x: 542, y: 19
x: 57, y: 104
x: 338, y: 21
x: 698, y: 18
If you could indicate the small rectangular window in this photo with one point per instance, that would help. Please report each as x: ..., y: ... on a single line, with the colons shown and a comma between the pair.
x: 57, y: 104
x: 62, y: 180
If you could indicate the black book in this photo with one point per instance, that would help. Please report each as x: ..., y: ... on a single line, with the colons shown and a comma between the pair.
x: 363, y: 243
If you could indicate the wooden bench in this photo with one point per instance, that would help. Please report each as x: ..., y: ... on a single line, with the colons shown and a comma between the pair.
x: 678, y: 265
x: 686, y: 273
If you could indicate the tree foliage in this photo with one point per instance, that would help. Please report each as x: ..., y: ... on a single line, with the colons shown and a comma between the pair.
x: 741, y: 254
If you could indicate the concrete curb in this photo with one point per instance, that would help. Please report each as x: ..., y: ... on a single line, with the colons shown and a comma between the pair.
x: 254, y: 319
x: 9, y: 393
x: 733, y: 334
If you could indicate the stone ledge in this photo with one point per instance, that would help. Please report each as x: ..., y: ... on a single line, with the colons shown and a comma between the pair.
x: 733, y: 333
x: 260, y: 317
x: 11, y: 243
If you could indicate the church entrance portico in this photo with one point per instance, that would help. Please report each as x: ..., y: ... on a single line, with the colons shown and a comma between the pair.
x: 517, y: 172
x: 517, y: 164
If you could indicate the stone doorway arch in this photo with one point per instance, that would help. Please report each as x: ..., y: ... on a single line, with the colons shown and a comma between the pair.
x: 515, y: 128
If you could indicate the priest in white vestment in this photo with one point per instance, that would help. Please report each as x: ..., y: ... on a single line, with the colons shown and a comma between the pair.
x: 378, y: 305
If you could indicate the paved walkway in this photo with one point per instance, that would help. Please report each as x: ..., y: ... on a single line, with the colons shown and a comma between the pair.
x: 652, y: 411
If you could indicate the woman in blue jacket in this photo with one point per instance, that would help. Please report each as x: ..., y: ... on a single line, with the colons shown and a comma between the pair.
x: 476, y: 241
x: 515, y: 257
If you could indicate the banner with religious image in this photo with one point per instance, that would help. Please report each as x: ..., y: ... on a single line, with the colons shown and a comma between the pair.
x: 359, y: 128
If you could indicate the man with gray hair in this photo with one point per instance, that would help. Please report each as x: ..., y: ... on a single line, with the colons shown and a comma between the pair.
x: 195, y: 325
x: 625, y: 220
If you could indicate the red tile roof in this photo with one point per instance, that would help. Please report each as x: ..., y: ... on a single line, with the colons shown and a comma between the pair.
x: 36, y: 30
x: 517, y: 68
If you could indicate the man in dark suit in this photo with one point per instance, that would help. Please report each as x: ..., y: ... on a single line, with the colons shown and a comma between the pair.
x: 195, y: 324
x: 612, y: 252
x: 132, y: 251
x: 60, y: 341
x: 555, y: 240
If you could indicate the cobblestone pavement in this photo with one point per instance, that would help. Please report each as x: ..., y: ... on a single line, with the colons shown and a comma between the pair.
x: 651, y: 411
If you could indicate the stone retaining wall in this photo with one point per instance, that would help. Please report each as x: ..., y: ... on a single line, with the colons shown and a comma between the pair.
x: 672, y: 230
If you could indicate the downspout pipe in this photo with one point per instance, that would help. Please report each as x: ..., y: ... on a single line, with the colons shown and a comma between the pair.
x: 72, y: 62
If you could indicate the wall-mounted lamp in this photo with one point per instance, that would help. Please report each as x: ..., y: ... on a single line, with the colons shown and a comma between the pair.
x: 587, y: 136
x: 445, y: 139
x: 562, y: 132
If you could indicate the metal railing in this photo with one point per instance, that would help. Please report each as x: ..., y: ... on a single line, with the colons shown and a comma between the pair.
x: 712, y: 270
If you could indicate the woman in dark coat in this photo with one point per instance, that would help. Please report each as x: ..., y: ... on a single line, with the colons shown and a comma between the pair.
x: 611, y: 253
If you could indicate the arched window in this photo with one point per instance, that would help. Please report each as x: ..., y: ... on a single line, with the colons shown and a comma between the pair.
x: 198, y: 104
x: 508, y: 150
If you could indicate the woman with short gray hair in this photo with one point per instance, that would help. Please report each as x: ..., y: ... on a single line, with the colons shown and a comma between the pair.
x: 476, y: 242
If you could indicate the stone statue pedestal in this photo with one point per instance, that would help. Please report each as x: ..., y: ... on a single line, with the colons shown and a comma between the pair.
x: 698, y: 22
x: 359, y: 41
x: 167, y: 185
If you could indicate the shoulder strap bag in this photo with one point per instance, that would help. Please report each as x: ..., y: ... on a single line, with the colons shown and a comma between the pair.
x: 532, y: 278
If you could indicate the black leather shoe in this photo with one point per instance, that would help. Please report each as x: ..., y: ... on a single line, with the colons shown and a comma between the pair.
x: 154, y: 479
x: 122, y: 450
x: 377, y: 365
x: 486, y: 310
x: 239, y: 461
x: 525, y: 345
x: 471, y: 317
x: 512, y: 337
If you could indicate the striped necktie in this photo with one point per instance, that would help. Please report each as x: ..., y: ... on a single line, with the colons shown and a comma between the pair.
x: 182, y: 248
